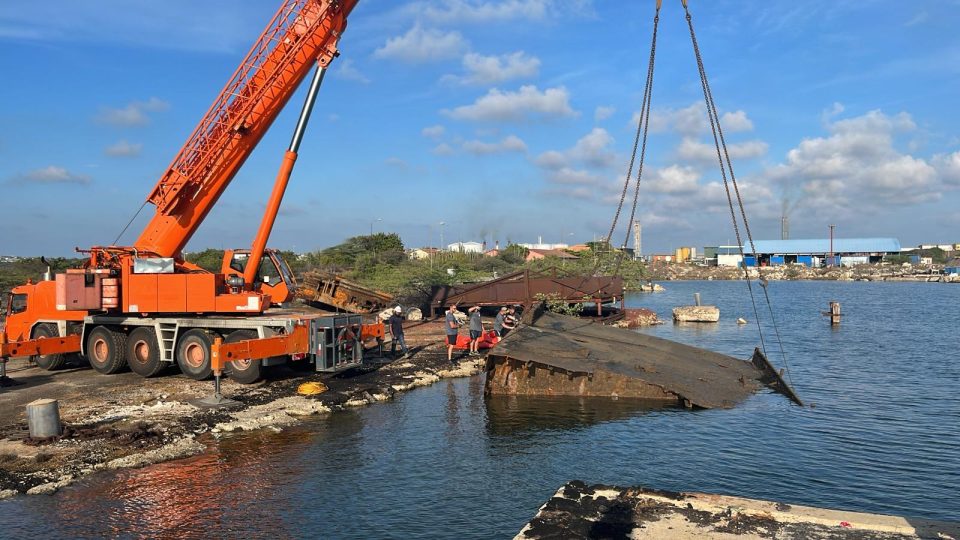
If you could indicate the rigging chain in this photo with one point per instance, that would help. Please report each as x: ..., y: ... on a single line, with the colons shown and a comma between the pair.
x: 723, y: 156
x: 643, y: 125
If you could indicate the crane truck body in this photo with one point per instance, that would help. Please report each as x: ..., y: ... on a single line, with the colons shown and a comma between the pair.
x: 145, y: 306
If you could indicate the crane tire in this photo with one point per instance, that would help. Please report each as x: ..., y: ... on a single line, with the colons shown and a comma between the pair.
x: 194, y: 354
x: 106, y: 350
x: 48, y: 362
x: 143, y: 352
x: 243, y: 371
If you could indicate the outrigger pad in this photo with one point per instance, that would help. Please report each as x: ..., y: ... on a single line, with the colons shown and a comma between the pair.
x: 214, y: 401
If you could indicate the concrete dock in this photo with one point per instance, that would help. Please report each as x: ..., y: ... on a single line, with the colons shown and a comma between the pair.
x: 581, y: 511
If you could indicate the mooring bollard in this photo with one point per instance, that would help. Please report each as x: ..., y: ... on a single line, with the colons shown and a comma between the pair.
x: 696, y: 298
x: 43, y: 418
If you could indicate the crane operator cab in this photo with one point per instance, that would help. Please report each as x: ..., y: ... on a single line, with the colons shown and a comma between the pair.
x: 274, y: 277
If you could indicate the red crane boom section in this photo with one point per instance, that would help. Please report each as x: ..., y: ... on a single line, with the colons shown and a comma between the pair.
x: 301, y: 33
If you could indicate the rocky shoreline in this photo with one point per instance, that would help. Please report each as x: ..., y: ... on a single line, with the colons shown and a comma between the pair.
x: 877, y: 272
x: 122, y: 421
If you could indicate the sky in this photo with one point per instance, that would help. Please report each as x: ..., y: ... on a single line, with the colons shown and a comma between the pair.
x: 499, y: 120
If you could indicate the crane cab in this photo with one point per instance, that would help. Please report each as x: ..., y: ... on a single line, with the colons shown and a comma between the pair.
x: 274, y: 277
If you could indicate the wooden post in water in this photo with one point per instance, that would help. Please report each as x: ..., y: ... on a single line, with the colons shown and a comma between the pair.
x: 834, y: 313
x: 696, y: 298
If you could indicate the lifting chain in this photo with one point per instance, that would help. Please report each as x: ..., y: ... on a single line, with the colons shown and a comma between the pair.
x: 643, y: 125
x: 723, y: 156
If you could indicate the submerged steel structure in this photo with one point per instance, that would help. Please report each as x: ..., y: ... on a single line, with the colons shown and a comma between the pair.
x: 556, y: 355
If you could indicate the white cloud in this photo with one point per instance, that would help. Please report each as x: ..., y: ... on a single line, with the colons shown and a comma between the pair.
x: 692, y: 120
x: 948, y: 166
x: 693, y: 150
x: 134, y: 114
x: 422, y: 45
x: 672, y: 179
x: 689, y: 121
x: 123, y: 149
x: 858, y: 165
x: 602, y: 112
x: 348, y: 72
x: 511, y: 143
x: 551, y: 159
x: 396, y: 162
x: 735, y: 121
x: 593, y: 148
x: 473, y: 11
x: 51, y: 174
x: 526, y: 103
x: 485, y: 70
x: 433, y: 132
x: 442, y: 149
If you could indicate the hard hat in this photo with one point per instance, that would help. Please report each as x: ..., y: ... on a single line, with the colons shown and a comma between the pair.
x: 397, y: 309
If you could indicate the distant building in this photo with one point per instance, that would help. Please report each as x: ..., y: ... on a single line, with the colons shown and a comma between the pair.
x: 423, y: 253
x: 534, y: 254
x: 952, y: 267
x: 579, y: 247
x: 492, y: 252
x: 811, y: 252
x: 661, y: 258
x: 541, y: 245
x: 466, y: 247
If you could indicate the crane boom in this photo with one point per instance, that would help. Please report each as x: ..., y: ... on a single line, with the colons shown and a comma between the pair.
x: 301, y: 33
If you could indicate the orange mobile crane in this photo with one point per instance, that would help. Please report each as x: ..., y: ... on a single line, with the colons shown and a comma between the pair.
x: 144, y: 305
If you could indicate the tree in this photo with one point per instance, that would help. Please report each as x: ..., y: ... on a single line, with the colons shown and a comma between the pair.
x: 208, y: 259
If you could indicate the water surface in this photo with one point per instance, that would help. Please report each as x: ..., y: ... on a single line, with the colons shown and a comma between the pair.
x: 443, y: 462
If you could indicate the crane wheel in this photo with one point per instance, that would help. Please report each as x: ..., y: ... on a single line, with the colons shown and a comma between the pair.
x: 48, y: 362
x: 243, y: 371
x: 143, y: 352
x: 193, y: 354
x: 106, y: 350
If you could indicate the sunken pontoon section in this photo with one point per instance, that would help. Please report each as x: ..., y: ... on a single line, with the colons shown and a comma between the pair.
x: 556, y: 355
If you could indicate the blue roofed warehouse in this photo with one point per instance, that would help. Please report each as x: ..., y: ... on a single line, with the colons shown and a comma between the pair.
x: 815, y: 252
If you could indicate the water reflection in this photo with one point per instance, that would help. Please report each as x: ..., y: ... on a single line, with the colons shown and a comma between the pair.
x: 229, y: 491
x: 510, y: 415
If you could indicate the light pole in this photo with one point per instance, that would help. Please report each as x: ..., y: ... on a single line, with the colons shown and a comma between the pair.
x: 372, y: 221
x: 832, y: 259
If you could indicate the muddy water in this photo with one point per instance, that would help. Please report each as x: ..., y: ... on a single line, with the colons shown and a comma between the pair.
x: 442, y: 462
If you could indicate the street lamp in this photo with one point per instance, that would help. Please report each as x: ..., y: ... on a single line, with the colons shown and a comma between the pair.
x: 372, y: 222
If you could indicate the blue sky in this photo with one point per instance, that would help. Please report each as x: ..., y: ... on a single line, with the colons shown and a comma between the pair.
x: 503, y: 119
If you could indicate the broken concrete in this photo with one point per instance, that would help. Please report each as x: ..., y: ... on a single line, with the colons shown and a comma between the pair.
x: 696, y: 314
x: 581, y: 511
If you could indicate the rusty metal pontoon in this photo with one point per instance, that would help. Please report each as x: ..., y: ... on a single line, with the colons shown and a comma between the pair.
x: 554, y: 355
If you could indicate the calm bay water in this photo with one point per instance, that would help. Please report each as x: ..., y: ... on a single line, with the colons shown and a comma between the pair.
x: 443, y: 462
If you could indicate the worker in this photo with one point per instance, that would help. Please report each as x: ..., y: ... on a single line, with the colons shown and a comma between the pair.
x: 396, y: 329
x: 451, y: 326
x: 510, y: 320
x: 498, y: 321
x: 476, y: 330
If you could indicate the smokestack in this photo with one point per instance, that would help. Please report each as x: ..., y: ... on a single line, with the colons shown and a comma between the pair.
x: 497, y: 245
x: 785, y: 228
x: 540, y: 240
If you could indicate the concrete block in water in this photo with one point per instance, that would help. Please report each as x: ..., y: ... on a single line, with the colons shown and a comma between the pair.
x: 43, y: 417
x: 696, y: 314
